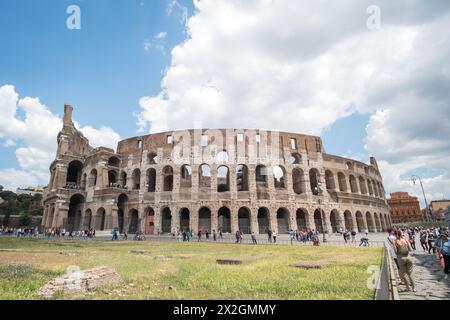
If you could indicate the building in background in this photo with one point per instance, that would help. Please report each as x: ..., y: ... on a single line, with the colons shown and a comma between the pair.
x: 31, y: 190
x: 438, y: 207
x: 404, y: 208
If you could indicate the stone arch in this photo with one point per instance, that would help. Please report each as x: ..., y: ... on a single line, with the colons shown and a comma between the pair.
x: 375, y: 188
x: 151, y: 180
x: 93, y: 178
x: 242, y: 177
x: 353, y: 184
x: 377, y: 222
x: 74, y: 172
x: 314, y: 180
x: 133, y: 226
x: 302, y: 219
x: 167, y: 178
x: 360, y: 221
x: 149, y: 216
x: 329, y: 180
x: 369, y: 186
x: 152, y: 158
x: 298, y: 181
x: 204, y: 219
x: 88, y: 219
x: 222, y: 157
x: 123, y: 179
x: 112, y: 177
x: 261, y: 176
x: 224, y: 220
x: 335, y: 221
x: 136, y: 176
x: 74, y: 214
x: 100, y: 219
x: 204, y: 175
x: 370, y: 223
x: 283, y: 220
x: 122, y: 205
x: 186, y: 176
x: 319, y: 221
x: 223, y: 179
x: 166, y: 220
x: 185, y: 219
x: 362, y: 185
x: 244, y: 215
x: 279, y: 177
x: 114, y: 162
x: 348, y: 220
x: 342, y: 182
x: 263, y: 220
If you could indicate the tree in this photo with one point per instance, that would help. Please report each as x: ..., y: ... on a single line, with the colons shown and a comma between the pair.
x: 25, y: 219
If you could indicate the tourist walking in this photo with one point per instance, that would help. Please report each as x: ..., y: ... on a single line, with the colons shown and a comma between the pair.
x: 274, y: 236
x: 214, y: 235
x: 269, y: 235
x: 199, y: 235
x: 207, y: 234
x: 254, y: 238
x: 353, y: 236
x: 424, y: 240
x: 238, y: 236
x: 445, y: 253
x: 390, y: 240
x: 403, y: 249
x: 431, y: 242
x: 220, y: 234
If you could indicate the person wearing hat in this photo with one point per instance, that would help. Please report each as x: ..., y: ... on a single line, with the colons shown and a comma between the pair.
x: 445, y: 253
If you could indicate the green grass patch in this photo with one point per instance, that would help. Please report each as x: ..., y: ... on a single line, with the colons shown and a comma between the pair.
x: 189, y: 270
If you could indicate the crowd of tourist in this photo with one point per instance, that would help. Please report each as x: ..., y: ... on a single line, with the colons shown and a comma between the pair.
x: 19, y: 232
x: 402, y: 244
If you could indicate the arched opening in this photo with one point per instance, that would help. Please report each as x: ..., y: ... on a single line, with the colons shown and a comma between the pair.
x: 261, y: 176
x: 186, y: 177
x: 302, y: 218
x: 383, y: 222
x: 353, y: 184
x: 263, y: 220
x: 360, y: 221
x: 100, y: 219
x: 93, y: 178
x: 204, y: 176
x: 114, y: 162
x: 168, y: 178
x: 279, y: 177
x: 136, y: 179
x: 123, y: 179
x: 204, y: 219
x: 87, y: 219
x: 314, y: 179
x: 151, y: 180
x: 377, y: 222
x: 152, y: 158
x: 184, y: 219
x: 84, y: 182
x: 342, y: 182
x: 298, y: 181
x: 122, y: 204
x: 329, y: 180
x: 348, y: 219
x: 244, y: 220
x: 318, y: 220
x: 349, y: 165
x: 74, y: 215
x: 149, y: 221
x: 242, y: 177
x: 134, y: 221
x: 369, y: 186
x: 223, y: 179
x: 362, y: 185
x: 74, y: 174
x: 166, y: 220
x: 370, y: 222
x: 112, y: 178
x: 334, y: 219
x: 224, y: 220
x: 375, y: 188
x: 295, y: 159
x: 283, y: 217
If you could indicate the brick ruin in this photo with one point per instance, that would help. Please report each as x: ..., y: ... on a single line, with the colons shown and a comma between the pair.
x: 228, y: 179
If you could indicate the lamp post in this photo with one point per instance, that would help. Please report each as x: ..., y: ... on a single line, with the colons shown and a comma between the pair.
x: 427, y: 212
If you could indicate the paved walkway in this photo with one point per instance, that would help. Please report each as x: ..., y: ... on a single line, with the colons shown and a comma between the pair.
x: 429, y: 278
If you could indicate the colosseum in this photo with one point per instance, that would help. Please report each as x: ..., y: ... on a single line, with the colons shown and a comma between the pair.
x: 222, y: 179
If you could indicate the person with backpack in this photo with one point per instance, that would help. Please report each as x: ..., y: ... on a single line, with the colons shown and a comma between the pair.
x: 353, y: 236
x: 403, y: 249
x: 424, y: 241
x: 444, y: 251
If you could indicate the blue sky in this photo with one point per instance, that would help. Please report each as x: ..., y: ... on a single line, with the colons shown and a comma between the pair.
x: 257, y: 59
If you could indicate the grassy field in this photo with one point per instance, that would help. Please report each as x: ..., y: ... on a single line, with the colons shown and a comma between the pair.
x: 188, y: 270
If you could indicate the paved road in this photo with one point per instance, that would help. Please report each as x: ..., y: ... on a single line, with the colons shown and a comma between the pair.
x: 429, y: 278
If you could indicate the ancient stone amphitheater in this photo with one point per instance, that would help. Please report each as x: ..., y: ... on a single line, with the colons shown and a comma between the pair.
x: 230, y: 179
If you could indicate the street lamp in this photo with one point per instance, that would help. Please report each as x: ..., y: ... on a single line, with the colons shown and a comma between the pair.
x: 427, y: 212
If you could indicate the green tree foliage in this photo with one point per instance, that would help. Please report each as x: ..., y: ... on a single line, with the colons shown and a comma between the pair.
x: 25, y: 219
